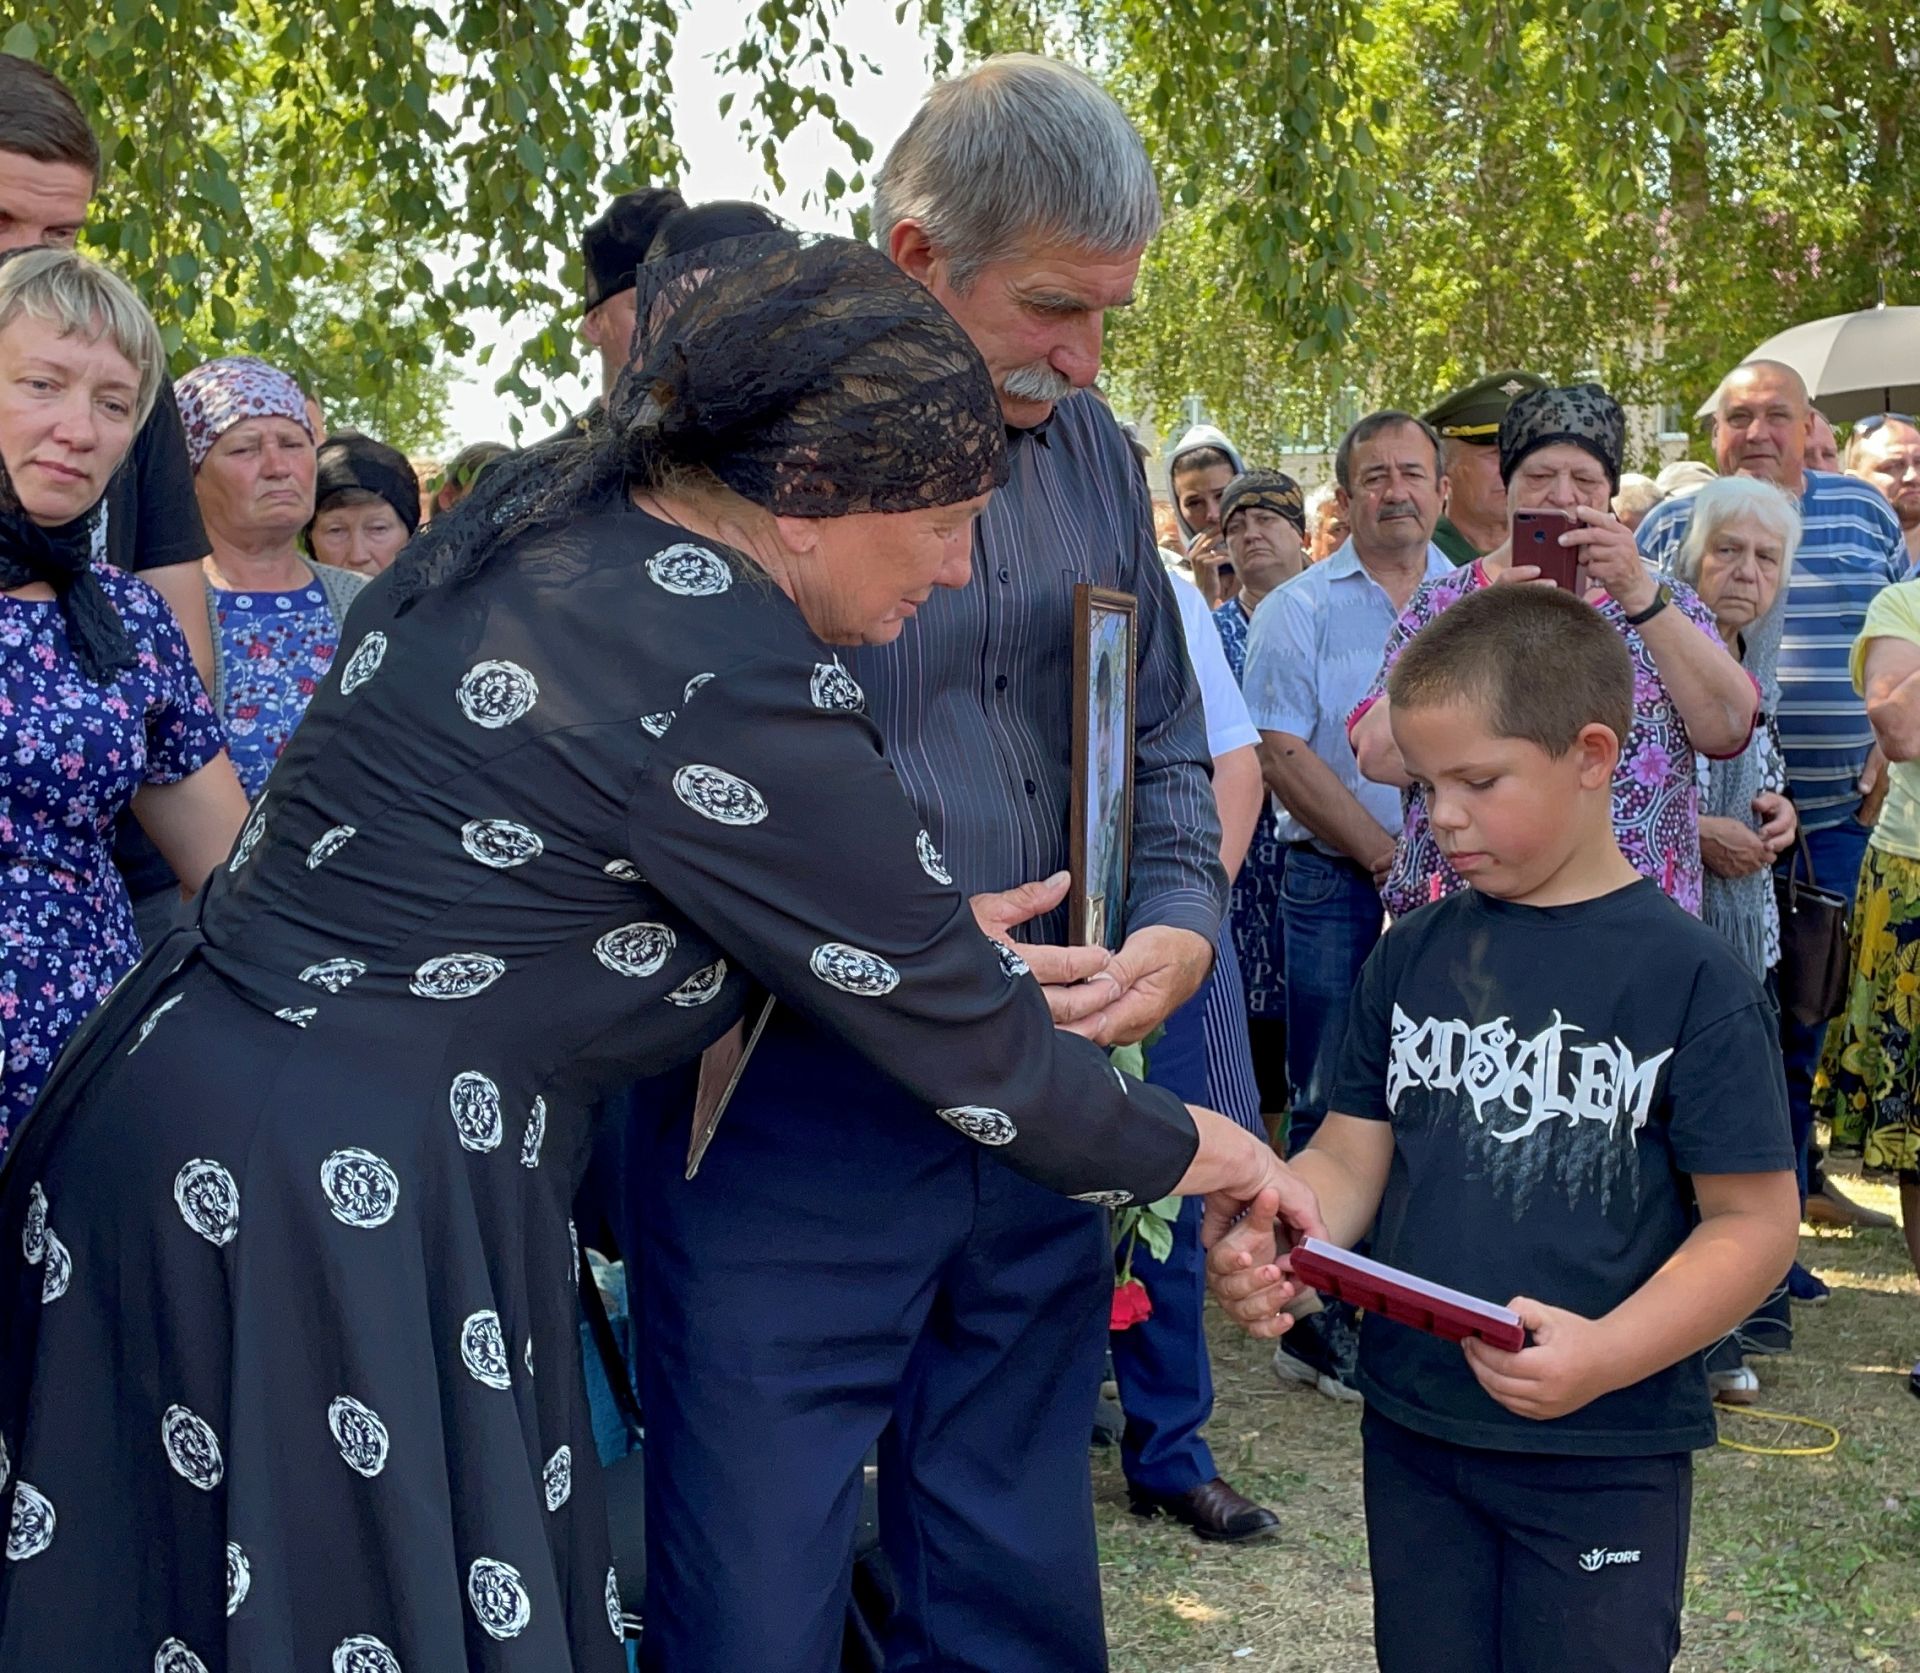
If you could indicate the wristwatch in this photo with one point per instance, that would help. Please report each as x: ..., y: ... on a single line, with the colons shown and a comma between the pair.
x: 1662, y: 597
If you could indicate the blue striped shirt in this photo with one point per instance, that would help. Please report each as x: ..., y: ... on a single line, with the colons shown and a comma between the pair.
x: 975, y: 698
x: 1312, y: 654
x: 1850, y: 547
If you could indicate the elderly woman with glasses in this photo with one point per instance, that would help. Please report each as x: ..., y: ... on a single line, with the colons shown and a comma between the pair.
x: 1560, y: 451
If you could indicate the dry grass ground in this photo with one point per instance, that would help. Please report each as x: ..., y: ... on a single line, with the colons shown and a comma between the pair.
x: 1798, y: 1565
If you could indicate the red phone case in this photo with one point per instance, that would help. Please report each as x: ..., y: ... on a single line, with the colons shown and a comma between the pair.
x: 1536, y: 541
x: 1402, y: 1297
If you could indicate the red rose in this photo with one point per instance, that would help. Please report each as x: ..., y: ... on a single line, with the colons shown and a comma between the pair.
x: 1131, y: 1304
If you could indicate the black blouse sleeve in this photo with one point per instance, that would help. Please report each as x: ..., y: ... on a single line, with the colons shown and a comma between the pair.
x: 767, y: 813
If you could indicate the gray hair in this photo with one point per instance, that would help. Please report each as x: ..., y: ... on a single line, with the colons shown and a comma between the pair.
x: 1322, y: 500
x: 1019, y: 151
x: 1734, y: 499
x: 1637, y: 493
x: 80, y: 297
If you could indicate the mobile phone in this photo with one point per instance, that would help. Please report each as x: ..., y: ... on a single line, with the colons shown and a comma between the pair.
x: 1536, y: 541
x: 1223, y: 570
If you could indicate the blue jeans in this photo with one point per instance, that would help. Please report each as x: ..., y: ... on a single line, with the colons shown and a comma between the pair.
x: 1330, y: 916
x: 1837, y: 854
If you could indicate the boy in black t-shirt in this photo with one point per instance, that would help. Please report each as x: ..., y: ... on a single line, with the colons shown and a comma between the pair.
x: 1556, y: 1086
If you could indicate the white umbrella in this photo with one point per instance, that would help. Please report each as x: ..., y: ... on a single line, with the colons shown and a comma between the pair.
x: 1854, y: 364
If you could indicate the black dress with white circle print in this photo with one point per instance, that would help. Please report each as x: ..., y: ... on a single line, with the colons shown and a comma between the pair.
x: 286, y: 1265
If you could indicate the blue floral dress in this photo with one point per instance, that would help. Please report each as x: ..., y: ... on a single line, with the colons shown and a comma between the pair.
x: 276, y: 648
x: 72, y: 754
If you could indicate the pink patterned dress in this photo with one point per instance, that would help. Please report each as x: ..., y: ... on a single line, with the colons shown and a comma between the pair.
x: 1656, y: 801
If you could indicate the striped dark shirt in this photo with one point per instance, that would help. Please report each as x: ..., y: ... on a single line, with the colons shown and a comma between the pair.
x: 975, y: 697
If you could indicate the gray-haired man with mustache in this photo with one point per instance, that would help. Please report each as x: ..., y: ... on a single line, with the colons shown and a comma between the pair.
x: 970, y: 1349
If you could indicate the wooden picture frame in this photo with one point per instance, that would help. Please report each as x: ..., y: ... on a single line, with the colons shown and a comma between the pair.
x: 1106, y: 655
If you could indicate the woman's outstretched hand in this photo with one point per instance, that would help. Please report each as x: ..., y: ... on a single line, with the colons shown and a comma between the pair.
x: 1257, y: 1208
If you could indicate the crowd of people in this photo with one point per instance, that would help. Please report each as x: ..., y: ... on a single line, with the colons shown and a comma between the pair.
x: 392, y: 875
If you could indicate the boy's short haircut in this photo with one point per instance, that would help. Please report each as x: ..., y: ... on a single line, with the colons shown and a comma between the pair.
x: 1541, y: 663
x: 42, y: 119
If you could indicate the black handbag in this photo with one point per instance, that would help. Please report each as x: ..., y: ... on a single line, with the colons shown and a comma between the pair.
x: 1815, y: 943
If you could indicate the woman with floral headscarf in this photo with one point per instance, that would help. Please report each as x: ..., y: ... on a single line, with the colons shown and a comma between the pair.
x: 1560, y: 449
x: 99, y: 702
x: 275, y: 616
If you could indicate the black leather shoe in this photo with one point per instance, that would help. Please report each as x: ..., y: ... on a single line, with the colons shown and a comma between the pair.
x: 1213, y: 1510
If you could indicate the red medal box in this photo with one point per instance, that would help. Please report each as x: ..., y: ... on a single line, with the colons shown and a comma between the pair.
x: 1400, y: 1296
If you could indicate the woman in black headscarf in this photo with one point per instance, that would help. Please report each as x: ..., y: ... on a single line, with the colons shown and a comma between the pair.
x: 295, y: 1278
x: 100, y: 707
x: 366, y: 504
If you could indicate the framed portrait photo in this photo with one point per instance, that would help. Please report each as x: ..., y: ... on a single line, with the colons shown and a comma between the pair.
x: 1105, y: 653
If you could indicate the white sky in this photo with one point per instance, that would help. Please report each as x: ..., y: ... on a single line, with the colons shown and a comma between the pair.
x: 721, y: 165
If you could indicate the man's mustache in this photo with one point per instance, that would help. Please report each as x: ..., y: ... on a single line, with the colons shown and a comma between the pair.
x: 1038, y: 382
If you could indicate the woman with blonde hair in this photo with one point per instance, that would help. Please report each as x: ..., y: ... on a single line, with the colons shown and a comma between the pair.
x: 100, y: 706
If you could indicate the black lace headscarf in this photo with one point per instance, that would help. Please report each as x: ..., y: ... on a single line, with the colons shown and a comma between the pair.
x: 1582, y: 413
x: 809, y: 375
x: 63, y: 556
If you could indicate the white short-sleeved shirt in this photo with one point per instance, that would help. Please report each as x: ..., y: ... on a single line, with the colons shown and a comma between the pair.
x: 1313, y: 650
x: 1229, y: 726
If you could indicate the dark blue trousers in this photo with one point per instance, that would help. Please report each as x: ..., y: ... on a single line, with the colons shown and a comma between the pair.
x: 1161, y: 1364
x: 847, y: 1270
x: 1836, y: 854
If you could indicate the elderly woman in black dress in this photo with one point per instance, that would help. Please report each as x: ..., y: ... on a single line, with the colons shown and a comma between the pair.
x: 288, y: 1364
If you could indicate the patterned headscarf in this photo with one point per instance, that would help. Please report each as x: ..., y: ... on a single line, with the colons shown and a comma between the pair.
x: 1268, y: 491
x: 810, y: 375
x: 1583, y: 414
x: 222, y: 393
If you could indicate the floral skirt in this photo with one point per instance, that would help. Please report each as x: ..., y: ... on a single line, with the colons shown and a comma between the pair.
x: 1868, y: 1085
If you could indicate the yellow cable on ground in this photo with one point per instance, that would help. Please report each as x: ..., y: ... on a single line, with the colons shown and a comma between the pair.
x: 1832, y: 1442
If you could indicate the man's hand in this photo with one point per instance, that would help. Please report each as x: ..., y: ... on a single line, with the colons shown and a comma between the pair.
x: 1381, y: 864
x: 1779, y: 821
x: 1062, y: 972
x: 1247, y: 1265
x: 1729, y: 849
x: 1606, y: 547
x: 1569, y: 1364
x: 1156, y: 970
